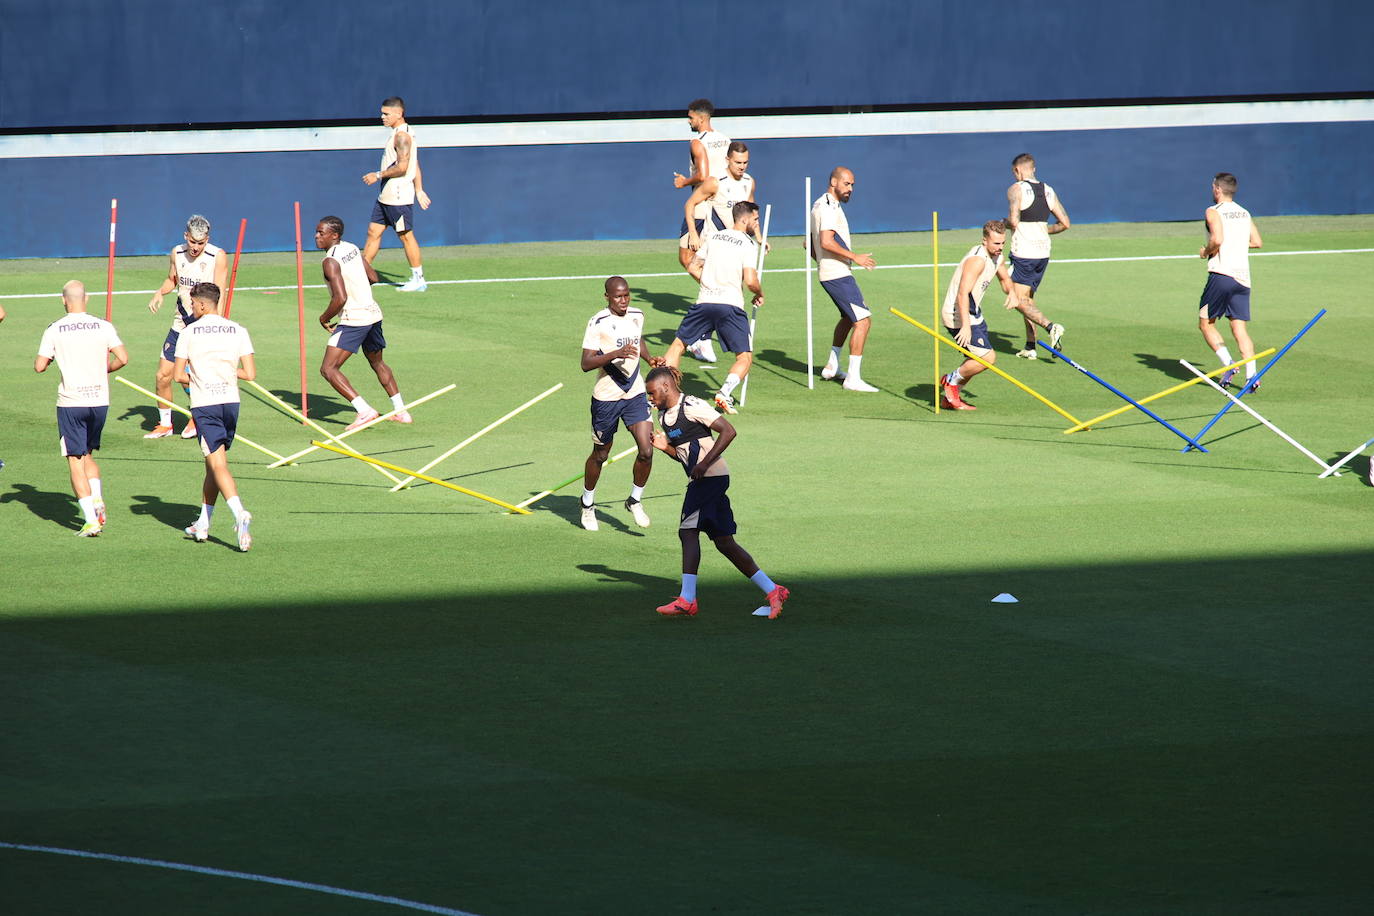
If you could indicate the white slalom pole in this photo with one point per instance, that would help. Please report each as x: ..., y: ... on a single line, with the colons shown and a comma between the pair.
x: 291, y: 459
x: 1251, y: 411
x: 754, y: 318
x: 1341, y: 463
x: 810, y: 353
x: 295, y: 414
x: 238, y: 437
x: 477, y: 435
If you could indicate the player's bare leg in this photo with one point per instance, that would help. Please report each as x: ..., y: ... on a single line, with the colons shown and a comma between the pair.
x: 738, y: 370
x: 332, y: 370
x: 219, y: 481
x: 416, y: 283
x: 737, y: 555
x: 162, y: 384
x: 831, y: 370
x: 383, y: 372
x: 674, y: 354
x: 1247, y: 346
x: 374, y: 241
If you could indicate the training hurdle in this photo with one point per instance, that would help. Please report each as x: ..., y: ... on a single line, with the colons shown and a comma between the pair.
x: 1250, y: 385
x: 575, y: 478
x: 754, y: 318
x: 1341, y: 463
x: 1086, y: 424
x: 238, y: 437
x: 297, y: 415
x: 414, y: 474
x: 291, y: 459
x: 401, y: 484
x: 1254, y: 413
x: 1026, y: 388
x: 1125, y: 397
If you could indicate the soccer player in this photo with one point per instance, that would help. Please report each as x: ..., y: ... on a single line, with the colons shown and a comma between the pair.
x: 721, y: 194
x: 1029, y: 205
x: 709, y: 151
x: 613, y: 345
x: 962, y: 314
x: 402, y: 185
x: 211, y: 356
x: 687, y: 424
x: 1230, y: 236
x: 194, y: 261
x: 723, y: 266
x: 82, y: 345
x: 830, y: 248
x: 350, y: 276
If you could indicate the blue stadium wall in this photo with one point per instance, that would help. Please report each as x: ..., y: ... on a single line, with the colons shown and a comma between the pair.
x: 253, y: 64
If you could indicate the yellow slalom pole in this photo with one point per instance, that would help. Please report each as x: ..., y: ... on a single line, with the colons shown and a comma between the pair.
x: 179, y: 409
x: 291, y: 459
x: 297, y: 415
x: 435, y: 480
x: 1028, y: 390
x: 1167, y: 391
x: 935, y: 295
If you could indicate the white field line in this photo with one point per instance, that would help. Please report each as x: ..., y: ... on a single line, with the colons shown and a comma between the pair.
x: 242, y: 876
x: 679, y: 273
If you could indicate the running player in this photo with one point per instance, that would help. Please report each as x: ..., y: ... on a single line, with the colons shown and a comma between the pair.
x: 402, y: 185
x: 687, y: 424
x: 724, y: 265
x: 721, y: 194
x: 194, y: 261
x: 709, y: 150
x: 350, y: 277
x: 1230, y: 236
x: 830, y: 248
x: 613, y: 345
x: 962, y: 314
x: 81, y: 344
x: 1029, y: 205
x: 211, y: 356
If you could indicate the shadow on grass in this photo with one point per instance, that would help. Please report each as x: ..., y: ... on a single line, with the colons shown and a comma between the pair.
x: 173, y: 515
x: 1169, y: 367
x: 51, y: 506
x: 145, y: 414
x: 569, y: 508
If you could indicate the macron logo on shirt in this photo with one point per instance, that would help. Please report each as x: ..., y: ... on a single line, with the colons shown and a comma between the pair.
x: 199, y: 328
x: 80, y: 326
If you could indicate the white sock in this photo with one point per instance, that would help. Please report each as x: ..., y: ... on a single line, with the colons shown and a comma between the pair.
x: 689, y: 586
x: 1224, y: 355
x: 96, y: 494
x: 636, y: 493
x: 588, y: 497
x: 361, y: 406
x: 417, y: 273
x: 397, y: 401
x: 956, y: 378
x: 164, y: 416
x: 87, y: 505
x: 761, y: 579
x: 205, y: 512
x: 731, y: 381
x: 854, y: 366
x: 1249, y: 370
x: 236, y: 507
x: 834, y: 359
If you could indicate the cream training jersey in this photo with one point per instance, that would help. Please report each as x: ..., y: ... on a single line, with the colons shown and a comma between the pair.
x: 949, y: 314
x: 716, y: 144
x: 360, y: 309
x: 1233, y: 259
x: 212, y: 348
x: 730, y: 191
x: 726, y: 255
x: 826, y: 213
x: 618, y: 380
x: 189, y: 273
x: 1032, y: 237
x: 400, y: 191
x: 79, y: 342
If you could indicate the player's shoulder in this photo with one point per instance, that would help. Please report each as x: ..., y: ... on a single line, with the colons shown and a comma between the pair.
x: 213, y: 250
x: 179, y: 249
x: 599, y: 317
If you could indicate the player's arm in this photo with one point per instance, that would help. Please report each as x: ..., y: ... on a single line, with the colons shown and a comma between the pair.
x: 725, y: 434
x: 751, y: 280
x: 698, y: 167
x: 397, y: 168
x: 698, y: 195
x: 421, y: 197
x: 661, y: 443
x: 117, y: 359
x: 592, y: 359
x: 969, y: 273
x: 829, y: 244
x: 169, y: 283
x: 1013, y: 207
x: 696, y: 266
x: 2, y: 313
x: 1255, y: 242
x: 247, y: 370
x: 41, y: 363
x: 1061, y: 215
x: 1004, y: 278
x: 179, y: 372
x: 333, y: 278
x: 222, y: 270
x: 1213, y: 234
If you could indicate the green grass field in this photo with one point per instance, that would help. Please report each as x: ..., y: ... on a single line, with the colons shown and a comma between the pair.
x: 416, y: 695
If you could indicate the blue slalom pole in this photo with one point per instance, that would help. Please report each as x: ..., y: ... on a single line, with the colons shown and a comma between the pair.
x: 1249, y: 386
x: 1192, y: 443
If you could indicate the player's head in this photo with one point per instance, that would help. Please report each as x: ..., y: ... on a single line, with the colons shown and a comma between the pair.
x: 746, y: 215
x: 204, y: 299
x: 841, y: 183
x: 74, y: 296
x: 699, y: 113
x: 1223, y: 186
x: 617, y: 295
x: 393, y: 111
x: 1023, y: 166
x: 197, y: 235
x: 737, y: 159
x: 328, y: 231
x: 663, y: 386
x: 994, y: 236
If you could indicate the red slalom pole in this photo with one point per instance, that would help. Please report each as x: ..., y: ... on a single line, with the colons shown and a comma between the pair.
x: 234, y: 271
x: 109, y: 273
x: 300, y: 305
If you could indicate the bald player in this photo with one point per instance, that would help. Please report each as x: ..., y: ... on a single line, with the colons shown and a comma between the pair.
x: 349, y: 277
x: 87, y: 349
x: 402, y: 186
x: 1030, y: 203
x: 962, y: 314
x: 830, y: 248
x: 194, y: 261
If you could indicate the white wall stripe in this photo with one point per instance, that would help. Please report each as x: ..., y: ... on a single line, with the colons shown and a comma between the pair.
x: 240, y: 875
x: 655, y: 130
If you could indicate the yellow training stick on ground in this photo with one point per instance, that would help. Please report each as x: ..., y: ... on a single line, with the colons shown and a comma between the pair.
x: 293, y: 412
x: 416, y: 474
x: 290, y: 459
x: 578, y: 476
x: 238, y: 437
